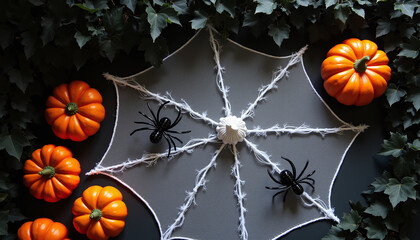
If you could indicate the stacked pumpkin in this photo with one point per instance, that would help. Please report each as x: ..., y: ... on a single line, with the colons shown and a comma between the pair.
x: 74, y: 111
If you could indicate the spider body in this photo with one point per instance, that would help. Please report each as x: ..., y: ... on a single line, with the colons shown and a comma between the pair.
x: 289, y: 180
x: 161, y: 127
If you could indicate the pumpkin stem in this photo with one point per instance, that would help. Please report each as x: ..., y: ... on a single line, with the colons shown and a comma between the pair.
x: 47, y: 172
x: 96, y: 214
x: 71, y: 108
x: 360, y: 64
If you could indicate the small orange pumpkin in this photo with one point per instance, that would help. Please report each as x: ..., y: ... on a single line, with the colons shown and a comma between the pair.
x: 75, y: 111
x: 42, y: 229
x: 355, y: 72
x: 52, y: 173
x: 100, y: 212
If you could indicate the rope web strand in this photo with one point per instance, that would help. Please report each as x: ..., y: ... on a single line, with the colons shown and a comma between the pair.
x: 152, y: 158
x: 304, y: 129
x: 240, y: 195
x: 327, y: 211
x: 200, y: 182
x: 131, y: 83
x: 262, y: 156
x: 220, y: 70
x: 297, y: 57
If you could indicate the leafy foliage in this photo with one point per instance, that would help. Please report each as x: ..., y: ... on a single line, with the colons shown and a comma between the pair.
x: 41, y: 41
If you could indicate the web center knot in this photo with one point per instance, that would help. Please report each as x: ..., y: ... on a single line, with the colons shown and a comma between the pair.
x: 231, y: 130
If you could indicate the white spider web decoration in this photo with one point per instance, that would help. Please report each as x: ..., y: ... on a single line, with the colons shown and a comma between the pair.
x: 153, y: 179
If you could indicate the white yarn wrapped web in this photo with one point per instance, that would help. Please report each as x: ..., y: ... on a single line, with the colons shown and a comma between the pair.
x: 231, y: 130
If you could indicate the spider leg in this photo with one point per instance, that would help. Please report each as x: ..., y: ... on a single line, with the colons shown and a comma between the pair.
x: 310, y: 184
x: 169, y: 144
x: 308, y: 179
x: 272, y: 177
x: 138, y: 122
x: 278, y: 193
x: 178, y: 118
x: 285, y: 195
x: 303, y: 170
x: 292, y: 165
x: 172, y: 140
x: 160, y: 108
x: 307, y: 176
x: 179, y: 140
x: 140, y: 129
x: 156, y: 120
x: 170, y: 131
x: 150, y: 119
x: 276, y: 188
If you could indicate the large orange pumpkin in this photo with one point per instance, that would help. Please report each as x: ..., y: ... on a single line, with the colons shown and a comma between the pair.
x: 52, y: 173
x: 75, y: 111
x: 100, y: 212
x: 42, y: 229
x: 355, y: 72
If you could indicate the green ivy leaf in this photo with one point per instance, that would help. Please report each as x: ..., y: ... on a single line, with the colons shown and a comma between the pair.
x: 157, y: 21
x: 394, y: 94
x: 199, y: 21
x: 375, y: 228
x: 15, y: 215
x: 154, y: 52
x: 226, y: 6
x: 411, y: 49
x: 265, y: 6
x: 342, y: 11
x: 14, y: 143
x: 21, y: 78
x: 406, y: 7
x: 378, y: 209
x: 400, y: 191
x: 415, y: 145
x: 180, y: 6
x: 131, y: 4
x: 49, y: 25
x: 383, y: 27
x: 172, y: 15
x: 414, y: 97
x: 329, y: 3
x: 81, y: 39
x: 350, y: 221
x: 379, y: 185
x: 29, y: 42
x: 335, y: 233
x: 93, y: 6
x: 3, y: 222
x: 394, y: 146
x: 108, y: 49
x: 304, y: 3
x: 279, y: 33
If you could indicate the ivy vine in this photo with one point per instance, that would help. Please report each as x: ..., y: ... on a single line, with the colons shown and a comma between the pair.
x: 41, y: 40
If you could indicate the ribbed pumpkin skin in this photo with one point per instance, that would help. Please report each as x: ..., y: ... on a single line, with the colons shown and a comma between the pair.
x: 75, y: 111
x: 348, y: 86
x: 42, y: 229
x: 66, y: 173
x: 108, y: 202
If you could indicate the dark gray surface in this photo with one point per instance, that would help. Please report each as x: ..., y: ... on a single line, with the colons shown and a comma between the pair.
x: 358, y: 169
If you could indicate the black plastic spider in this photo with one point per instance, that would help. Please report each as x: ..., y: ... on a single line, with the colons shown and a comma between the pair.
x: 290, y: 181
x: 161, y: 127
